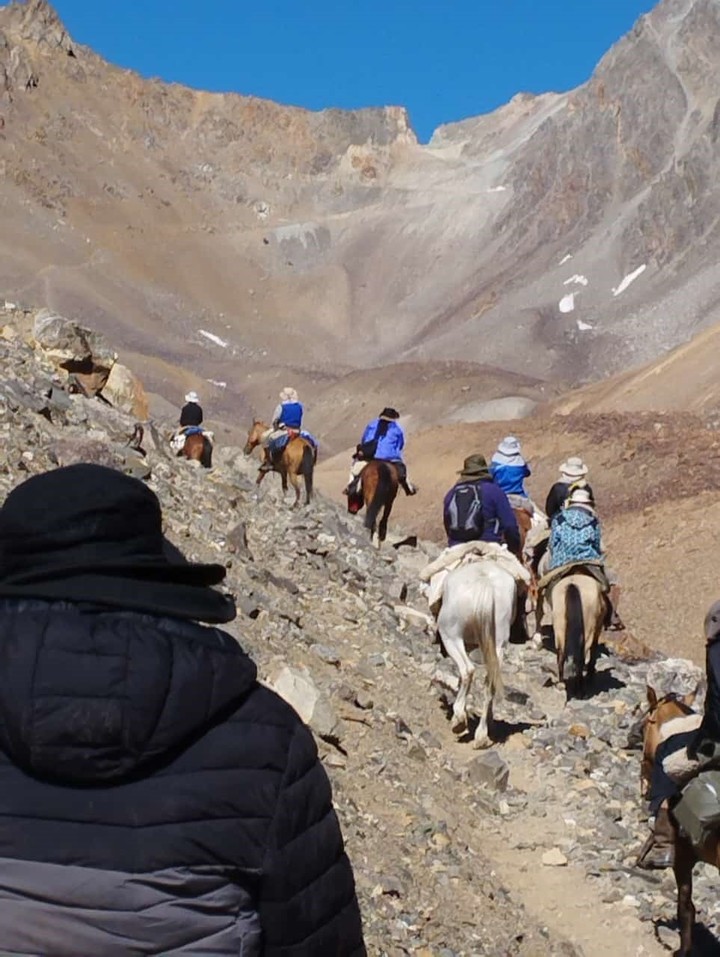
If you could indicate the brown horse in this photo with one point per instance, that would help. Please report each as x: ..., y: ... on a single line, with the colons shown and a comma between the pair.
x: 296, y: 461
x: 198, y: 448
x: 524, y: 523
x: 686, y: 855
x: 378, y: 488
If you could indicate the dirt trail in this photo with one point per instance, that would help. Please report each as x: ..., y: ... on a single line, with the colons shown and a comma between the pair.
x: 560, y: 898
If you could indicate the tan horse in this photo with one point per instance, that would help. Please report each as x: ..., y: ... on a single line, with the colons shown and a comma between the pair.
x: 578, y: 614
x: 295, y: 462
x: 378, y: 489
x: 686, y: 855
x: 198, y: 448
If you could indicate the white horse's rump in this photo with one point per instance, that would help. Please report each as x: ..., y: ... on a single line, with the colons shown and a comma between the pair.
x: 478, y: 608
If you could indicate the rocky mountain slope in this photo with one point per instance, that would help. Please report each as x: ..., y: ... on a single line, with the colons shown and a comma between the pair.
x: 226, y: 242
x: 522, y: 851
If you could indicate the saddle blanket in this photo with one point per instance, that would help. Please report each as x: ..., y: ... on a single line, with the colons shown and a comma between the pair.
x: 436, y: 572
x: 278, y: 443
x: 590, y: 567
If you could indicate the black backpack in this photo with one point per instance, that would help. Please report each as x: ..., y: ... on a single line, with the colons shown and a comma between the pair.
x: 464, y: 513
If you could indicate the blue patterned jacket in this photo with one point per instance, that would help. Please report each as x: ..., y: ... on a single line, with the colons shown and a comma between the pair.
x: 574, y: 537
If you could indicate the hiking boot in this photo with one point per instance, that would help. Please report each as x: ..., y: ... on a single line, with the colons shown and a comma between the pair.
x: 658, y: 852
x: 266, y: 467
x: 409, y: 488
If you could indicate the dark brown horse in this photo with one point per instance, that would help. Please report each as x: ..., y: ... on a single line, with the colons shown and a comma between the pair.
x: 198, y: 448
x: 296, y: 461
x: 686, y: 855
x: 378, y: 489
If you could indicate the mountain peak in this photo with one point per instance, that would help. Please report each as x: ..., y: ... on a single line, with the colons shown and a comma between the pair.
x: 36, y: 22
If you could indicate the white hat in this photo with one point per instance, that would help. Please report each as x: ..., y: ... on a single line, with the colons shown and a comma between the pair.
x: 574, y: 468
x: 509, y: 445
x: 288, y: 394
x: 192, y: 397
x: 580, y: 497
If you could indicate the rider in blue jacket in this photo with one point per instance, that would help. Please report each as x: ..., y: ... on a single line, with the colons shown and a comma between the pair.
x: 382, y: 439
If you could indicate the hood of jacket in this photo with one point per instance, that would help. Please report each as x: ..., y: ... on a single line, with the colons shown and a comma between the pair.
x: 94, y: 697
x: 579, y: 517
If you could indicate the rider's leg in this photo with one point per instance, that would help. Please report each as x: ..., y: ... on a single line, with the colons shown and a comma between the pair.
x: 407, y: 486
x: 616, y: 622
x: 354, y: 476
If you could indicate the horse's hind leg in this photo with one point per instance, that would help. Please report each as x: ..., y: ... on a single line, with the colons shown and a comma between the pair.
x: 382, y: 527
x: 295, y: 481
x: 482, y: 732
x: 683, y: 867
x: 455, y: 648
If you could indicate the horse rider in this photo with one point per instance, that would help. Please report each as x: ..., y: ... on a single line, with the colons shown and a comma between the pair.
x: 191, y: 413
x: 573, y: 474
x: 191, y: 417
x: 383, y: 440
x: 286, y: 423
x: 476, y: 509
x: 702, y: 747
x: 575, y: 534
x: 509, y: 471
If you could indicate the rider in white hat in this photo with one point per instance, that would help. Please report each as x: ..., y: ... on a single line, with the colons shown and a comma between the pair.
x: 509, y: 470
x: 573, y: 474
x: 191, y: 413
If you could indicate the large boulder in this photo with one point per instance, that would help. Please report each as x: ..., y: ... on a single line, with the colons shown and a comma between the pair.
x: 300, y: 691
x: 677, y: 676
x: 79, y: 351
x: 125, y: 391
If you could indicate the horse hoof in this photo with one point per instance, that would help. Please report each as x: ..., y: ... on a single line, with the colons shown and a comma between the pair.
x: 480, y: 744
x: 458, y: 725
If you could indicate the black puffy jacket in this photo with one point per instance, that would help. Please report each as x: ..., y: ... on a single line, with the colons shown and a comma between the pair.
x: 155, y: 799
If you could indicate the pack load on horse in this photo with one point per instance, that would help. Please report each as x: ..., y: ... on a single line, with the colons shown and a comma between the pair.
x: 191, y: 439
x: 575, y: 588
x: 294, y: 458
x: 682, y: 753
x: 472, y: 590
x: 383, y: 440
x: 286, y: 425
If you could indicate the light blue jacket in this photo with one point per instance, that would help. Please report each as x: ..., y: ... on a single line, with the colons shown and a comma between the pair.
x: 510, y: 472
x: 390, y: 446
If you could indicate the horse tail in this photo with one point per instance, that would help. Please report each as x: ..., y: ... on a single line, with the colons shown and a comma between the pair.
x: 483, y: 624
x: 306, y: 468
x: 383, y: 491
x: 206, y: 458
x: 574, y: 629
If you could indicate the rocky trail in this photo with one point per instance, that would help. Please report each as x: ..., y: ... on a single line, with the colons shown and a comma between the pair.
x: 525, y: 850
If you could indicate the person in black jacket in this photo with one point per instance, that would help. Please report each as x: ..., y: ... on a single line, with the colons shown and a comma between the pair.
x: 191, y: 413
x: 154, y: 797
x: 572, y: 475
x: 701, y: 747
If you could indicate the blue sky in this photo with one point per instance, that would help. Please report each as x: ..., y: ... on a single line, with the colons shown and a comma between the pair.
x: 442, y: 59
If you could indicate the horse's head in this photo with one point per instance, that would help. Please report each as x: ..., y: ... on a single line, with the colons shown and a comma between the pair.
x: 648, y: 727
x: 255, y: 436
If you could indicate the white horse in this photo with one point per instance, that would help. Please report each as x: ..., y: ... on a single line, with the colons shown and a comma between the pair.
x: 478, y: 608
